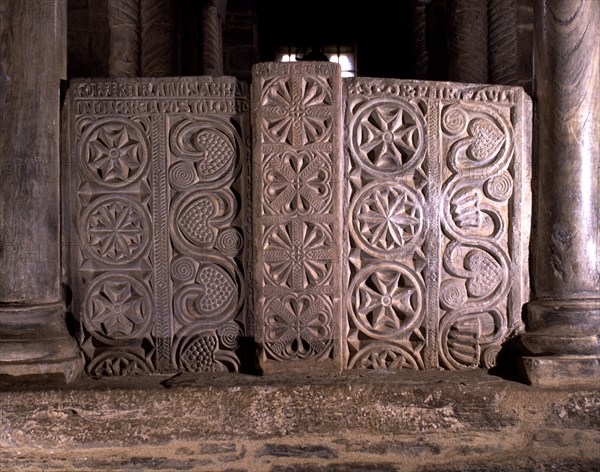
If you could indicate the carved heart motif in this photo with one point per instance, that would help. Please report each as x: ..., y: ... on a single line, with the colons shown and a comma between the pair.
x: 487, y: 274
x: 218, y: 289
x: 194, y: 221
x: 488, y: 140
x: 215, y: 150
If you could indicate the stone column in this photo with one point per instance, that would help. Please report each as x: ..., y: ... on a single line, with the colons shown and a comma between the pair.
x: 563, y: 323
x: 33, y: 336
x: 212, y: 37
x: 419, y: 38
x: 468, y: 41
x: 159, y: 39
x: 502, y: 41
x: 124, y: 23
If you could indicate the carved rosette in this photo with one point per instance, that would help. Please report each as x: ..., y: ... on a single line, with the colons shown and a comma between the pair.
x: 113, y: 152
x: 437, y: 222
x: 297, y: 222
x: 158, y: 267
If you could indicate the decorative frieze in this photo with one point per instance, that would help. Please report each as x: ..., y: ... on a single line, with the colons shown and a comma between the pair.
x: 155, y: 197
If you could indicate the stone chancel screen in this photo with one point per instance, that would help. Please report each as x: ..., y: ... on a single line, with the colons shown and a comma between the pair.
x: 437, y: 211
x: 407, y: 246
x: 156, y: 188
x: 377, y: 223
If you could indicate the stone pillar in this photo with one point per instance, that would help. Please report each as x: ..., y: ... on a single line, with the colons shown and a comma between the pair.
x: 419, y: 38
x: 563, y: 323
x: 159, y: 38
x: 124, y: 23
x: 33, y: 336
x: 212, y: 37
x: 502, y: 41
x: 468, y: 41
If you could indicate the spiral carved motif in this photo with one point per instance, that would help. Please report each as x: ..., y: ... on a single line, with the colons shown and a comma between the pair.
x: 454, y: 120
x: 229, y: 242
x: 499, y: 187
x: 229, y: 335
x: 182, y: 174
x: 183, y: 269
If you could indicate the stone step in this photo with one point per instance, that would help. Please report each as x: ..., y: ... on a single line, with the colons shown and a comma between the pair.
x: 352, y: 421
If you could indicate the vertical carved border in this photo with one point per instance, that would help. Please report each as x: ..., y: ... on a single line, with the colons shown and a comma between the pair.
x: 522, y: 122
x: 161, y: 245
x: 432, y: 281
x: 297, y: 171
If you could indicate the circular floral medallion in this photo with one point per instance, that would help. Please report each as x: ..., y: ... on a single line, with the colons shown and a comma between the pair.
x: 387, y: 137
x: 115, y: 230
x: 387, y: 218
x: 117, y: 307
x: 386, y: 300
x: 114, y: 152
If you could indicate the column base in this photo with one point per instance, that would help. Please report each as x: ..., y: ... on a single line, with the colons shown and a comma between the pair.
x: 564, y: 371
x: 561, y: 344
x: 36, y: 343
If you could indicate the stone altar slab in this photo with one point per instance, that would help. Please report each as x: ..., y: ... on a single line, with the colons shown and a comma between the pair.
x: 155, y: 193
x: 408, y: 246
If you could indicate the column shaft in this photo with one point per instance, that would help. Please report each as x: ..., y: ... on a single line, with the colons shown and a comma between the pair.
x: 419, y: 38
x: 124, y: 23
x: 502, y: 41
x: 468, y: 44
x: 212, y: 37
x: 564, y: 320
x: 159, y: 39
x: 33, y: 335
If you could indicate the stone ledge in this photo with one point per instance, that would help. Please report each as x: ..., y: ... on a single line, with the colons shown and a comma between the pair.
x: 367, y: 421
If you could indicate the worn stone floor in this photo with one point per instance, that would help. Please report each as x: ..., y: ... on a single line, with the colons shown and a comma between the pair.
x: 355, y: 421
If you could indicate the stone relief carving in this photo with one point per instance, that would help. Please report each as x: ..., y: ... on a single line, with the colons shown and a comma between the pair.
x: 297, y: 218
x: 386, y: 226
x: 157, y: 195
x: 437, y: 210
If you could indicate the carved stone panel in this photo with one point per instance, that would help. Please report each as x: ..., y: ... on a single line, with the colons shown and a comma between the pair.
x: 437, y: 210
x: 156, y: 188
x: 297, y: 214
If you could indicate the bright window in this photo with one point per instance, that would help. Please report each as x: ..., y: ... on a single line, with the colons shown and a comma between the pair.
x: 345, y: 60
